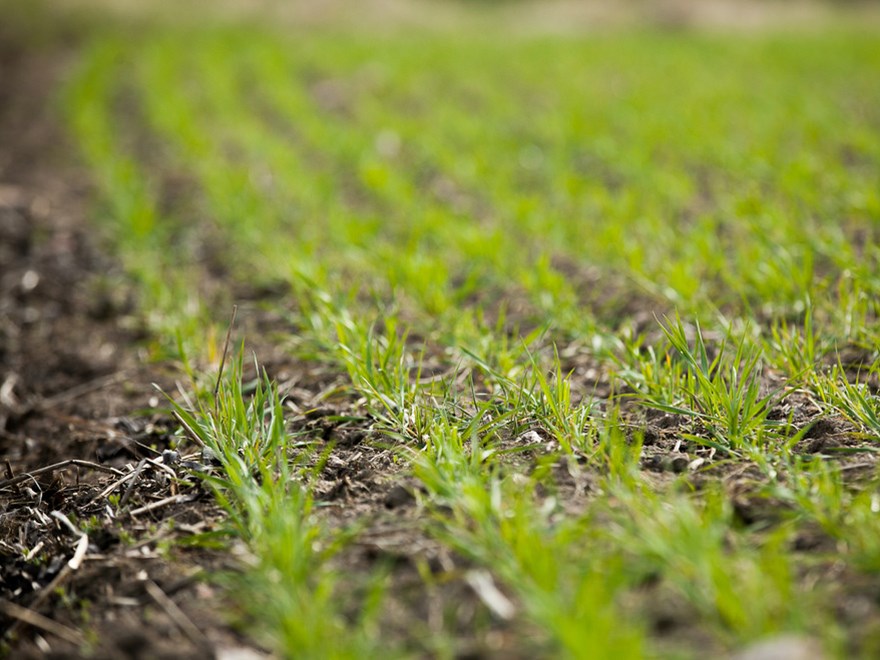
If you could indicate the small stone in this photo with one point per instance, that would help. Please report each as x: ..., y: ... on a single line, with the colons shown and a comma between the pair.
x: 30, y: 280
x: 677, y: 463
x: 696, y: 464
x: 680, y: 463
x: 209, y: 457
x: 170, y: 457
x: 530, y: 438
x: 398, y: 496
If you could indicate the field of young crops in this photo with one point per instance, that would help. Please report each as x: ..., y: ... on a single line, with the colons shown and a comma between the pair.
x: 570, y: 342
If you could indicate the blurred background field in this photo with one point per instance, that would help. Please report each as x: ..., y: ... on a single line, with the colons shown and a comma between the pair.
x: 552, y: 16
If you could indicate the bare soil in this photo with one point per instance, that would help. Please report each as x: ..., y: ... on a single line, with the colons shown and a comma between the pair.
x: 75, y: 391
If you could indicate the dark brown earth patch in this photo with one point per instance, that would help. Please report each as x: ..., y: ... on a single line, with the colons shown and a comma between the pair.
x: 75, y: 392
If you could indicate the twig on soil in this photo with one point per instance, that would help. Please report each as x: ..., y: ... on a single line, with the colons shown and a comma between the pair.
x: 29, y: 617
x: 132, y: 476
x: 11, y: 475
x: 192, y: 434
x: 82, y: 547
x: 858, y: 466
x: 177, y: 615
x: 133, y: 481
x: 33, y: 551
x: 109, y: 489
x: 25, y: 476
x: 66, y: 522
x: 483, y: 585
x: 162, y: 466
x: 72, y: 565
x: 174, y: 499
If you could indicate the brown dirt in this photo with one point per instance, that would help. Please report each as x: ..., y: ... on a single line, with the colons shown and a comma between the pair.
x: 74, y: 386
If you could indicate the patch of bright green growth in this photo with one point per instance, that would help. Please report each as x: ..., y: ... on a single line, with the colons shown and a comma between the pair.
x: 288, y: 593
x: 544, y: 400
x: 796, y: 349
x: 564, y: 581
x: 856, y: 400
x: 381, y: 369
x: 847, y: 515
x: 723, y: 393
x: 747, y: 591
